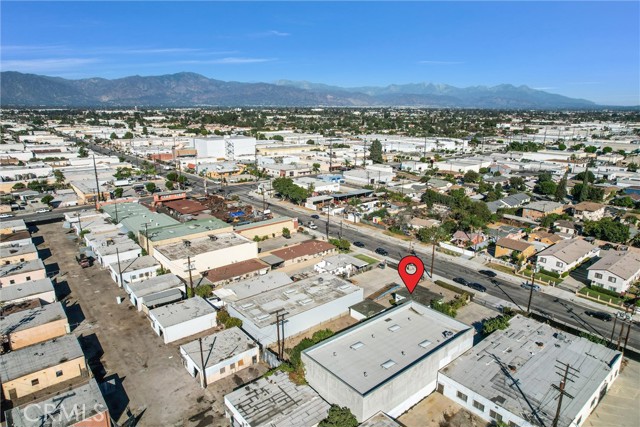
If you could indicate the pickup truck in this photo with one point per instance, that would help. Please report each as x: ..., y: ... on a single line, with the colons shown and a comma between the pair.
x: 83, y: 260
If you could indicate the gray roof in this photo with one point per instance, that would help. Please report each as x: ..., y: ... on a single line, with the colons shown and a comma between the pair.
x: 527, y: 352
x: 21, y: 267
x: 127, y: 246
x: 9, y: 251
x: 31, y: 318
x: 411, y: 328
x: 40, y: 356
x: 624, y: 264
x: 277, y: 402
x: 201, y: 245
x: 543, y: 206
x: 155, y: 284
x: 569, y: 250
x: 295, y: 298
x: 61, y: 410
x: 22, y: 290
x: 368, y: 308
x: 163, y: 297
x: 380, y: 420
x: 186, y: 229
x: 180, y: 312
x: 254, y: 286
x: 516, y: 199
x: 137, y: 263
x: 342, y: 260
x: 219, y: 347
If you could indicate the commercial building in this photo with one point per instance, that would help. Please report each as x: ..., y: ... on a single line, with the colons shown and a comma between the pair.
x: 280, y: 170
x: 41, y: 290
x: 179, y: 232
x: 223, y: 353
x: 110, y: 254
x: 616, y: 270
x: 87, y: 193
x: 205, y: 253
x: 304, y: 251
x: 18, y: 238
x: 134, y: 270
x: 10, y: 226
x: 275, y: 401
x: 368, y: 176
x: 251, y: 287
x: 182, y: 319
x: 135, y: 217
x: 228, y: 147
x: 512, y: 376
x: 387, y: 363
x: 31, y: 369
x: 154, y: 292
x: 566, y: 255
x: 341, y: 264
x: 268, y: 227
x: 308, y: 302
x: 82, y: 406
x: 14, y: 274
x: 237, y: 271
x: 32, y: 326
x: 15, y: 254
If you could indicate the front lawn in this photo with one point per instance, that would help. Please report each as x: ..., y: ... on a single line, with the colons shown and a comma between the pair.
x: 541, y: 276
x: 368, y: 259
x: 594, y: 293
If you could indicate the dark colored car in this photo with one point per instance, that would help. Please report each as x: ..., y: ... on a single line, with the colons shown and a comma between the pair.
x: 358, y: 244
x: 478, y: 287
x: 315, y: 216
x: 382, y: 251
x: 488, y: 273
x: 606, y: 317
x: 461, y: 281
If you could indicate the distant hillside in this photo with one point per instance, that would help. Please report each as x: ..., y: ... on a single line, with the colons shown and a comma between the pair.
x: 190, y: 89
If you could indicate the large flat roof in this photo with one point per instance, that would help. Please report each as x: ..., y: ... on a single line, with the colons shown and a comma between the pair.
x: 137, y: 263
x: 185, y: 229
x: 155, y: 284
x: 201, y: 245
x: 179, y: 312
x: 277, y: 402
x: 63, y: 410
x: 528, y: 353
x: 253, y: 286
x: 219, y: 347
x: 10, y: 251
x: 31, y: 318
x: 295, y: 298
x: 39, y: 356
x: 22, y: 290
x: 368, y: 355
x: 236, y: 269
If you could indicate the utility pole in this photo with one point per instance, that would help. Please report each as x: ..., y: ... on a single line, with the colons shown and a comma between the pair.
x: 146, y: 235
x: 280, y: 330
x: 95, y: 172
x: 568, y: 370
x: 119, y: 268
x: 533, y: 284
x: 190, y: 277
x: 204, y: 368
x: 341, y: 229
x: 116, y: 206
x: 328, y: 209
x: 433, y: 257
x: 613, y: 329
x: 330, y: 155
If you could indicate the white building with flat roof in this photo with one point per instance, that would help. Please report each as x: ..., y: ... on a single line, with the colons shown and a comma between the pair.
x: 156, y: 291
x: 182, y: 319
x: 387, y: 363
x: 511, y: 376
x: 308, y: 302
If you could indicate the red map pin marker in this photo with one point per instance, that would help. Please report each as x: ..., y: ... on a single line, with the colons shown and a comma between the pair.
x: 415, y: 271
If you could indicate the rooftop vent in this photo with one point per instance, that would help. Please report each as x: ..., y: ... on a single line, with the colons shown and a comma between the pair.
x: 388, y: 364
x: 187, y: 243
x: 425, y: 344
x: 394, y: 328
x: 539, y: 344
x: 306, y: 301
x: 262, y: 317
x: 245, y: 306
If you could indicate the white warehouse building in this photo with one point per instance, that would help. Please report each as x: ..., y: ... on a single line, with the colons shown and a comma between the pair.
x: 182, y: 319
x: 307, y: 303
x: 387, y: 363
x: 514, y: 370
x: 227, y: 147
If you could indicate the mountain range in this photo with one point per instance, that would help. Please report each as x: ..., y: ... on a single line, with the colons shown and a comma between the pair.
x: 194, y: 90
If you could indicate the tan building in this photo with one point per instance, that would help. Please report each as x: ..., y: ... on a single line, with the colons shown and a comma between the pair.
x: 35, y: 368
x: 185, y: 231
x: 507, y: 247
x: 10, y: 226
x: 536, y: 210
x: 544, y: 237
x: 33, y: 326
x: 18, y: 254
x: 25, y: 271
x: 268, y: 227
x: 304, y: 251
x: 86, y: 192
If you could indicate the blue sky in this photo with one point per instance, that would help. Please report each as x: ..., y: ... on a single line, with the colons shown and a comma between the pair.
x: 580, y: 49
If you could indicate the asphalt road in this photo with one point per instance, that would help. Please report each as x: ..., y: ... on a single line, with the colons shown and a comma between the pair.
x: 569, y: 312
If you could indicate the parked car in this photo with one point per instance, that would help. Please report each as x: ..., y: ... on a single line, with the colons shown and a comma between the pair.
x: 382, y: 251
x: 478, y: 287
x: 528, y: 286
x: 606, y: 317
x: 488, y: 273
x: 6, y: 215
x: 461, y: 281
x: 43, y: 210
x: 358, y: 244
x: 314, y: 216
x: 312, y: 226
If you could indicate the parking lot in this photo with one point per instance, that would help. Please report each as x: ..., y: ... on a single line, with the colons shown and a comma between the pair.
x: 120, y: 346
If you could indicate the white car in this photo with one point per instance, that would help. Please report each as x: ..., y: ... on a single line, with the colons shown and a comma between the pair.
x: 6, y: 215
x: 43, y: 210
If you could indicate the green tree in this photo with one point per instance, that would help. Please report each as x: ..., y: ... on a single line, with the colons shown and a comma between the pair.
x: 546, y: 187
x: 169, y: 185
x: 582, y: 192
x: 128, y: 135
x: 632, y: 167
x: 113, y: 136
x: 18, y: 186
x: 590, y: 149
x: 471, y: 176
x: 517, y: 183
x: 118, y: 192
x: 172, y: 176
x: 59, y: 176
x: 495, y: 323
x: 561, y: 189
x: 83, y: 152
x: 607, y: 150
x: 286, y: 233
x: 46, y: 200
x: 339, y: 417
x: 343, y: 245
x: 151, y: 187
x: 607, y: 229
x: 586, y: 174
x: 375, y: 152
x: 316, y: 167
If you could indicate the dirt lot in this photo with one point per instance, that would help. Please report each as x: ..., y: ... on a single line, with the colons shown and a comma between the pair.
x: 121, y: 346
x: 437, y: 411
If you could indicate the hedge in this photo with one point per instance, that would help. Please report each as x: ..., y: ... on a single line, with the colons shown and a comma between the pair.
x: 454, y: 288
